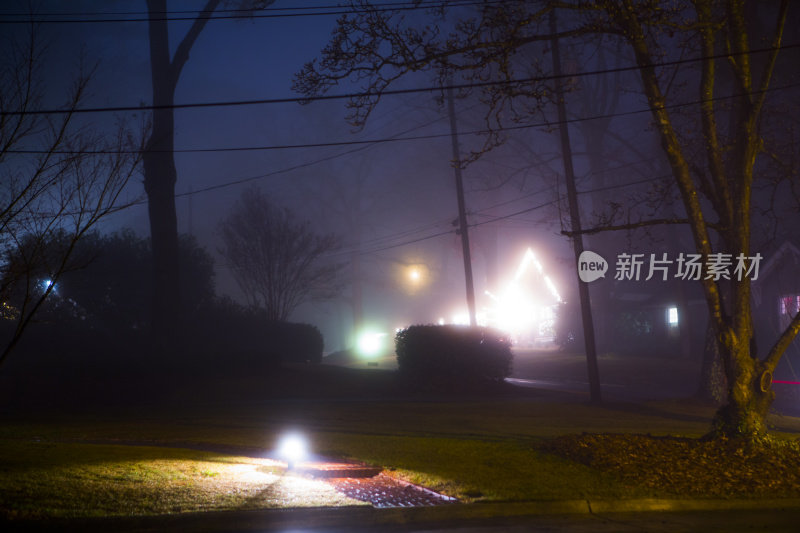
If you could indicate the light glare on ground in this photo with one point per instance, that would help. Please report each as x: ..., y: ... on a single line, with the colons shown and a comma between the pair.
x: 74, y: 480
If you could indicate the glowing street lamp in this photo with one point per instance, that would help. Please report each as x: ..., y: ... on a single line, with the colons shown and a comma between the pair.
x: 415, y: 276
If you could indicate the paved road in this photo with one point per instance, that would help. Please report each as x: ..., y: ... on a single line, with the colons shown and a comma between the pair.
x: 728, y: 522
x: 403, y: 521
x: 625, y: 379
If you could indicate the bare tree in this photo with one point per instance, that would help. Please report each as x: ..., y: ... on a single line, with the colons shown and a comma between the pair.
x: 160, y: 174
x: 58, y: 179
x: 277, y: 261
x: 731, y: 144
x: 713, y: 152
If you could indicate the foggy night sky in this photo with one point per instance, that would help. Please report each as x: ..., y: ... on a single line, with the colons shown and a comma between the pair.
x: 407, y: 190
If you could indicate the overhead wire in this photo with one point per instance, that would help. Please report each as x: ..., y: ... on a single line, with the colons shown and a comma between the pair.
x: 387, y: 92
x: 485, y: 131
x: 503, y: 217
x: 422, y: 3
x: 236, y: 14
x: 370, y: 142
x: 364, y: 144
x: 360, y: 147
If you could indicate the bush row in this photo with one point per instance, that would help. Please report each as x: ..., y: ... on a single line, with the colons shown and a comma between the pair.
x: 220, y: 338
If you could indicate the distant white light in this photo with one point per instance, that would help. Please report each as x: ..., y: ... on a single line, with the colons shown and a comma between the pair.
x: 292, y: 448
x: 672, y: 316
x: 460, y: 319
x: 47, y: 283
x: 371, y: 343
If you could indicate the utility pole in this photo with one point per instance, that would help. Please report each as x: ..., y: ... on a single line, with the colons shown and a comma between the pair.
x: 462, y: 211
x: 575, y: 219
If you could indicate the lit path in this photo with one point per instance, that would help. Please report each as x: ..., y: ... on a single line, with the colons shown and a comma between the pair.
x: 353, y: 480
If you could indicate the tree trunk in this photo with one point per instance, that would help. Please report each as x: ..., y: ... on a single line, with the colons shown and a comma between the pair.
x: 159, y: 183
x: 750, y: 393
x: 160, y: 176
x: 712, y: 386
x: 159, y: 170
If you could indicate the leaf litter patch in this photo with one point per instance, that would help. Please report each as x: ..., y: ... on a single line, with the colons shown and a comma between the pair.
x: 682, y: 466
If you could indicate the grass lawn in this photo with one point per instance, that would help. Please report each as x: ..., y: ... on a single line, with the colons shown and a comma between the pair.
x: 61, y: 479
x: 71, y: 461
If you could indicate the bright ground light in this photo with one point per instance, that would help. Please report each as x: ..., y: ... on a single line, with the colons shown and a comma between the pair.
x: 371, y: 343
x: 292, y: 448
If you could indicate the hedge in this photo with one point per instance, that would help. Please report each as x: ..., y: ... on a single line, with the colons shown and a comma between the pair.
x: 450, y: 352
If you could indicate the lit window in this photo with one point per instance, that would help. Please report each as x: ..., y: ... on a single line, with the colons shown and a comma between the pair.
x: 672, y: 316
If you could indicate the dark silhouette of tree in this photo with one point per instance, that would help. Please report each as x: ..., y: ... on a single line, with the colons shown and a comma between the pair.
x: 96, y: 319
x: 277, y: 261
x: 58, y: 180
x: 159, y: 165
x: 108, y: 281
x: 160, y: 174
x: 713, y: 143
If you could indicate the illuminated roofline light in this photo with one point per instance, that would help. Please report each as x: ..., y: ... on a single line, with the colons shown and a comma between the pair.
x: 523, y: 266
x: 552, y: 287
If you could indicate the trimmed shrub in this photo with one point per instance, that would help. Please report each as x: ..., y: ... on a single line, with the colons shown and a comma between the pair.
x: 450, y: 353
x: 240, y: 340
x: 292, y: 342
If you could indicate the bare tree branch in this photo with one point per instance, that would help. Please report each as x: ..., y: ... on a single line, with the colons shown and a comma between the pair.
x: 277, y: 262
x: 632, y: 225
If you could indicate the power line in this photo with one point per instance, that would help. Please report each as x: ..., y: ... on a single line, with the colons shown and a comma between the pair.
x: 481, y: 211
x: 365, y: 145
x: 387, y: 92
x: 431, y: 136
x: 236, y: 14
x: 499, y: 218
x: 306, y: 164
x: 223, y: 10
x: 385, y: 239
x: 397, y: 245
x: 551, y: 202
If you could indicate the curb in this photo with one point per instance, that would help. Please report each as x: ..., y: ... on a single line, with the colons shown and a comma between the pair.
x: 366, y: 517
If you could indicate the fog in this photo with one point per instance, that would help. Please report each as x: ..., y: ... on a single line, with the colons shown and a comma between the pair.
x: 534, y: 263
x: 387, y: 189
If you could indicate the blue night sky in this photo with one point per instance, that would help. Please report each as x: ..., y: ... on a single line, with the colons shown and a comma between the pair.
x: 392, y: 193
